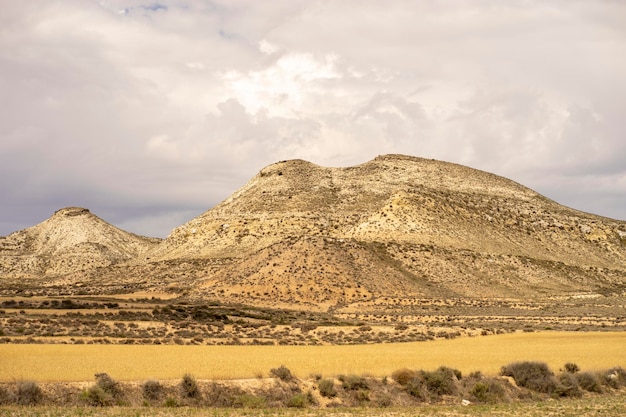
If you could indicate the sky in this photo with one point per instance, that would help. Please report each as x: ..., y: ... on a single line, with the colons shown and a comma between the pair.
x: 150, y: 113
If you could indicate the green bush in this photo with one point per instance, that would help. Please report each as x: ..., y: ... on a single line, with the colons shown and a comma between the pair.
x: 299, y: 400
x: 442, y: 381
x: 189, y: 387
x: 327, y: 388
x: 489, y: 392
x: 417, y: 388
x: 283, y: 373
x: 97, y: 397
x: 535, y: 376
x: 28, y: 393
x: 589, y: 382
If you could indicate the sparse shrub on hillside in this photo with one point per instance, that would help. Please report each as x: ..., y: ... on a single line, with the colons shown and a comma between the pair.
x: 28, y: 393
x: 535, y: 376
x: 283, y: 373
x: 189, y: 387
x: 327, y: 388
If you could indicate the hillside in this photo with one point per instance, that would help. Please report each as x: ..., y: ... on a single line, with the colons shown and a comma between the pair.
x: 396, y: 226
x: 72, y: 240
x: 382, y: 235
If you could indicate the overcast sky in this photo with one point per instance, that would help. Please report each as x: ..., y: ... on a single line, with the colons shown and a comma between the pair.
x: 149, y: 113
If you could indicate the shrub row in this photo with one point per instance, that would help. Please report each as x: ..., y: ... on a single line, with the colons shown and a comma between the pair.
x: 517, y: 380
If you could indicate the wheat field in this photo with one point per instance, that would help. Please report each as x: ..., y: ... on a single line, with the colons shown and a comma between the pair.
x: 49, y: 363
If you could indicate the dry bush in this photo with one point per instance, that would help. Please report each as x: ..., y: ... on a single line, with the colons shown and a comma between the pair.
x: 568, y: 385
x: 589, y: 382
x: 219, y: 395
x: 28, y: 393
x: 152, y: 390
x: 283, y: 373
x: 327, y: 388
x: 489, y: 391
x: 614, y: 378
x: 404, y: 376
x: 353, y: 382
x: 5, y: 396
x: 535, y: 376
x: 442, y: 381
x: 189, y: 387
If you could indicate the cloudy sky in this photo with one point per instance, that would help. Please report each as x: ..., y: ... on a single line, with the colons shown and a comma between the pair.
x: 149, y: 113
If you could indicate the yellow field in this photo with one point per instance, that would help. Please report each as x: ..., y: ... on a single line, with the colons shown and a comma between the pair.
x: 590, y: 350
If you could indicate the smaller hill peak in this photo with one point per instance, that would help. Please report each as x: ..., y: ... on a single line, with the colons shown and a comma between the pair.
x: 71, y: 211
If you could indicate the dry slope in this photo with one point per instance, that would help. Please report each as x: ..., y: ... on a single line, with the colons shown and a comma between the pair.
x: 72, y: 240
x: 396, y: 226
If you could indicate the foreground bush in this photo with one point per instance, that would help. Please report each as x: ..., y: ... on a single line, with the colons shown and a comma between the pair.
x: 327, y: 388
x: 28, y: 393
x: 535, y: 376
x: 189, y: 387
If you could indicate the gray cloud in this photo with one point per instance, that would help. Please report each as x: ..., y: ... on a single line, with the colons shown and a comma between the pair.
x: 149, y: 113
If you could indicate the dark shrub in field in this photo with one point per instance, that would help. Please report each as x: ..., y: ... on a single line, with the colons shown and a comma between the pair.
x: 152, y: 390
x: 442, y: 381
x: 353, y: 382
x: 97, y: 397
x: 327, y: 388
x: 5, y: 397
x: 488, y: 391
x: 614, y: 378
x: 28, y: 393
x: 572, y: 368
x: 283, y: 373
x: 109, y: 385
x: 535, y: 376
x: 568, y: 385
x: 189, y: 387
x: 589, y: 382
x: 404, y: 376
x: 417, y: 388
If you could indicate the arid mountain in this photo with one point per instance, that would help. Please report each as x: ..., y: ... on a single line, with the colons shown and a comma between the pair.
x: 378, y: 235
x: 396, y: 226
x: 72, y: 240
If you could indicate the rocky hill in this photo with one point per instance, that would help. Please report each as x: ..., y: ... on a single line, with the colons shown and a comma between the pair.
x: 72, y: 240
x: 385, y: 233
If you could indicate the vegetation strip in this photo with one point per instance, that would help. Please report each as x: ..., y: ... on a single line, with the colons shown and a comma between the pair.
x: 590, y: 350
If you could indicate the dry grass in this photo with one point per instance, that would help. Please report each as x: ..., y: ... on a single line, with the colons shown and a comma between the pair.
x: 590, y: 350
x: 585, y: 407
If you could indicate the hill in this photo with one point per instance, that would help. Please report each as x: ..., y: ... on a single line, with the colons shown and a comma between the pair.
x: 382, y: 235
x: 71, y: 240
